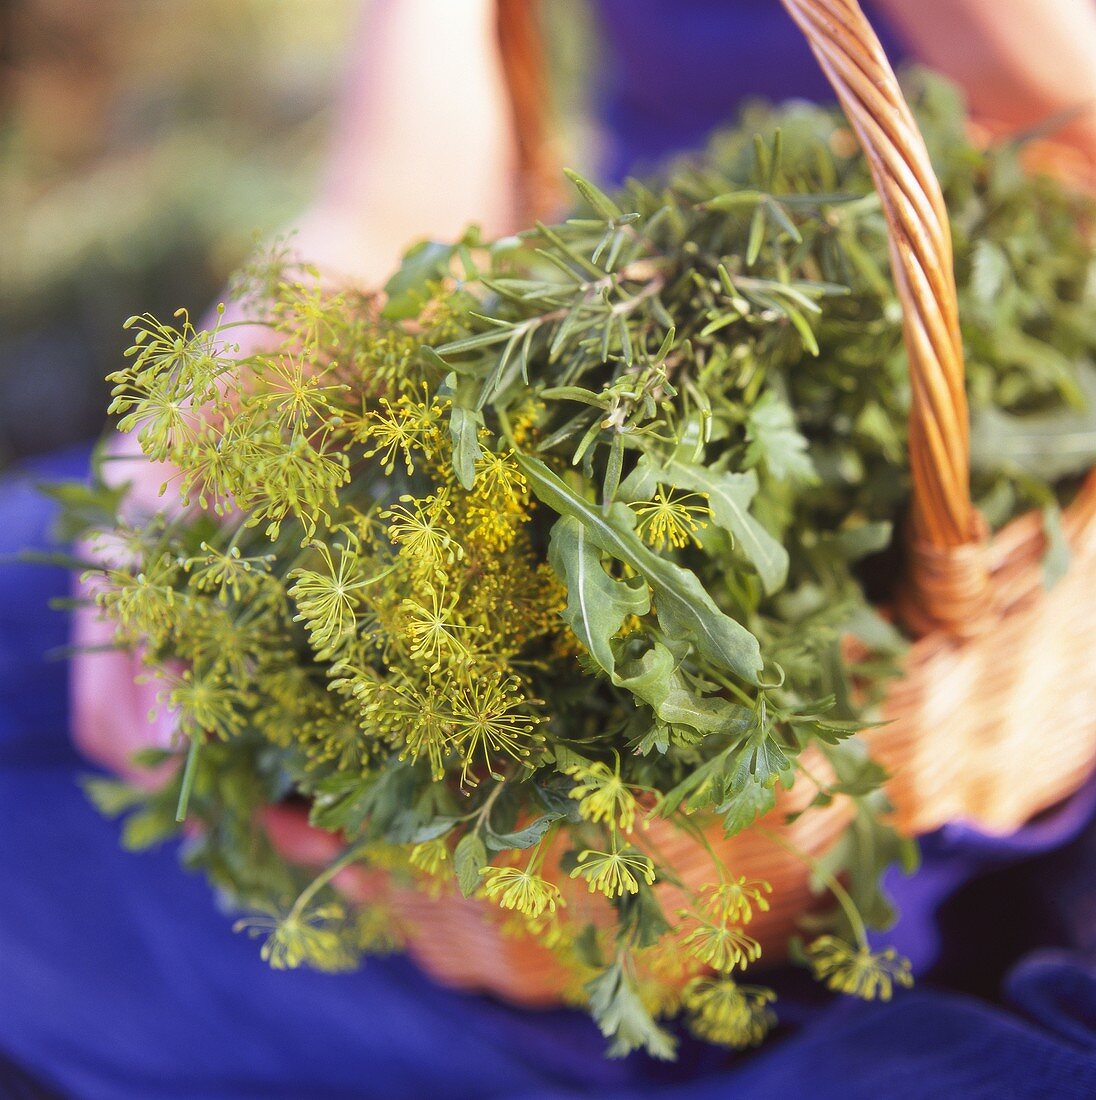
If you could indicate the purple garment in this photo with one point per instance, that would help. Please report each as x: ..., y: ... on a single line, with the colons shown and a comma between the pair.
x: 668, y: 81
x: 119, y: 977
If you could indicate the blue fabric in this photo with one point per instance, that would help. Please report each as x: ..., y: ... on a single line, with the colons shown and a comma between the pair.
x: 120, y: 979
x: 669, y: 79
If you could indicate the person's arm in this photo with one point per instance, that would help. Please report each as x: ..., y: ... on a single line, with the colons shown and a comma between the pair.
x: 421, y: 144
x: 1020, y: 62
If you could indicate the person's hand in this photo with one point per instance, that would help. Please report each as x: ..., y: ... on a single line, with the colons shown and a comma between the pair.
x: 1023, y: 65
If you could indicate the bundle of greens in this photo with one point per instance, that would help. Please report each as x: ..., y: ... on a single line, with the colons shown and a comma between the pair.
x: 567, y: 533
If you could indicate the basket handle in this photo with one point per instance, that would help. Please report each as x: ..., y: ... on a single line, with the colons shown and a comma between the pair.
x: 948, y: 585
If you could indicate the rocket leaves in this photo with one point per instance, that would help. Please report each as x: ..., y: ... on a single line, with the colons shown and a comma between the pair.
x: 729, y: 496
x: 685, y: 610
x: 597, y: 604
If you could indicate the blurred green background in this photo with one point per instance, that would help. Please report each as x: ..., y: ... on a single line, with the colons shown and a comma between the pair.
x: 143, y: 145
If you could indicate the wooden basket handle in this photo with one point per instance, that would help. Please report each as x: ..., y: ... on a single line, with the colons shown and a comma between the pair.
x: 948, y: 585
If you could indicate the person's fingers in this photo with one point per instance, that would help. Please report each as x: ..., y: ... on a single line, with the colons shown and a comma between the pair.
x: 298, y: 842
x: 110, y: 709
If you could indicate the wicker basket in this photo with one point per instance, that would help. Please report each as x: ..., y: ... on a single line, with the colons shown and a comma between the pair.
x: 960, y: 742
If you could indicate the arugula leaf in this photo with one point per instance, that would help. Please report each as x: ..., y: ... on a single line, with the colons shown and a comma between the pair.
x: 729, y: 496
x: 422, y: 263
x: 655, y: 679
x: 683, y: 606
x: 597, y: 604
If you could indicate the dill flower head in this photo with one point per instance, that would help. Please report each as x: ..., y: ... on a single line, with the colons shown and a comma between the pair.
x: 327, y: 599
x: 672, y: 520
x: 857, y: 970
x: 602, y: 795
x: 721, y: 945
x: 734, y: 900
x: 423, y: 531
x: 227, y: 572
x: 614, y: 873
x: 724, y: 1012
x: 492, y: 717
x: 522, y: 890
x: 433, y: 628
x: 430, y: 856
x: 310, y: 937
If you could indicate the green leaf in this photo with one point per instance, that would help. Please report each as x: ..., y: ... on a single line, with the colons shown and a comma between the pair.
x: 684, y: 608
x: 1047, y: 446
x: 775, y: 441
x: 469, y: 858
x: 464, y: 429
x: 597, y: 198
x: 750, y: 798
x: 522, y: 838
x: 655, y: 679
x: 619, y: 1012
x: 423, y: 263
x: 597, y: 604
x: 729, y: 496
x: 112, y: 797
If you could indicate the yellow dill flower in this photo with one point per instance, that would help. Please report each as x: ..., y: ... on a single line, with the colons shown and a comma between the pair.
x: 293, y: 393
x: 522, y: 890
x: 226, y: 571
x: 206, y: 702
x: 857, y: 970
x: 419, y: 527
x: 327, y: 602
x: 489, y: 528
x: 492, y: 717
x: 142, y: 603
x: 500, y: 480
x: 375, y: 930
x: 434, y: 629
x: 602, y: 795
x: 283, y: 477
x: 311, y: 937
x: 735, y: 900
x: 724, y: 1012
x: 430, y: 857
x: 310, y: 313
x: 422, y: 722
x: 721, y: 946
x: 411, y: 425
x: 614, y: 873
x: 671, y: 520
